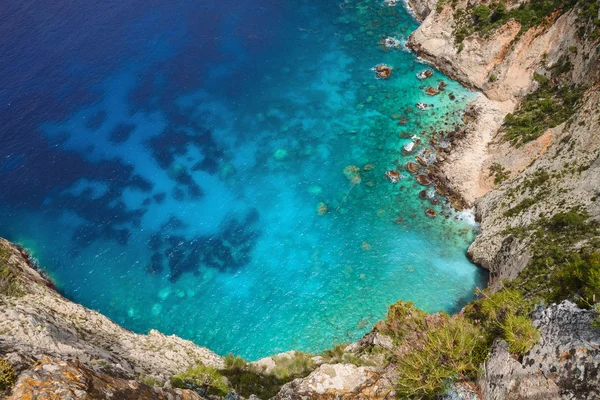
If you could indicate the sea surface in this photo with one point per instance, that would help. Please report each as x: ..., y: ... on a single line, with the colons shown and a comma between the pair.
x: 215, y: 169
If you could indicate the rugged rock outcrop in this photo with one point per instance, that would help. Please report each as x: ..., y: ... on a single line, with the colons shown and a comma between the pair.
x: 565, y: 363
x: 37, y: 324
x: 52, y: 378
x: 571, y: 157
x: 502, y: 67
x: 339, y: 382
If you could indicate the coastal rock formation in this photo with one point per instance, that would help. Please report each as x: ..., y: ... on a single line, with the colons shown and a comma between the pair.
x: 421, y: 8
x: 339, y: 382
x: 502, y: 64
x: 564, y: 364
x: 571, y: 160
x: 52, y: 378
x: 37, y: 323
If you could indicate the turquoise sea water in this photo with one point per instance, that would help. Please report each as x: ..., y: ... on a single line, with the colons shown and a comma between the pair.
x: 168, y: 167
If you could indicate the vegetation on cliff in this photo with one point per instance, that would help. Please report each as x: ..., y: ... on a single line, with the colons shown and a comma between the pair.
x: 7, y: 376
x: 565, y: 261
x: 202, y: 379
x: 432, y: 351
x: 547, y: 107
x: 485, y: 18
x: 9, y: 280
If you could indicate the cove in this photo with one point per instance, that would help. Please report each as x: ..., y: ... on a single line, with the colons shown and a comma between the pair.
x: 216, y: 170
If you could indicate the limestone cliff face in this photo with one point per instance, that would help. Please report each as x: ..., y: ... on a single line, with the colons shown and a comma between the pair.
x: 63, y: 350
x: 54, y: 378
x: 564, y: 364
x: 46, y: 336
x: 339, y: 382
x: 502, y: 68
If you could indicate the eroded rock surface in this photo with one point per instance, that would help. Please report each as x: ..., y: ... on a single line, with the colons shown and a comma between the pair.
x: 52, y: 378
x: 564, y: 364
x: 339, y: 381
x: 40, y: 323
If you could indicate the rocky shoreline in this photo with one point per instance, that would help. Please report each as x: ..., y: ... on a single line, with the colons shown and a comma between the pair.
x: 58, y: 349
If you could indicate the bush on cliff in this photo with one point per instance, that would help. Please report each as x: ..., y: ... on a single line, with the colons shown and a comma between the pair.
x: 545, y: 108
x: 247, y: 379
x: 450, y: 349
x: 9, y: 282
x: 580, y: 277
x: 519, y: 333
x: 565, y: 259
x: 7, y: 376
x: 505, y: 315
x: 484, y: 19
x: 202, y: 379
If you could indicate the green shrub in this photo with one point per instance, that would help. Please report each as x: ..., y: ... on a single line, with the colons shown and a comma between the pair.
x: 235, y: 362
x: 403, y: 319
x: 484, y: 19
x: 452, y: 350
x: 10, y: 284
x: 492, y: 309
x: 564, y: 262
x: 519, y: 333
x: 545, y: 108
x: 522, y: 206
x: 571, y: 220
x: 579, y: 275
x: 337, y: 355
x: 499, y: 172
x: 482, y: 14
x: 505, y: 315
x: 288, y: 368
x: 539, y: 78
x: 247, y: 379
x: 596, y: 321
x: 248, y: 382
x: 8, y: 376
x: 202, y: 379
x: 440, y: 6
x: 150, y: 381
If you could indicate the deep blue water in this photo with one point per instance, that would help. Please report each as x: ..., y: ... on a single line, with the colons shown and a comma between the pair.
x: 166, y: 162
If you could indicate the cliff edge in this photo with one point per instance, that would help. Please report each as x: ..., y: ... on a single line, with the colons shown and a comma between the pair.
x: 48, y: 338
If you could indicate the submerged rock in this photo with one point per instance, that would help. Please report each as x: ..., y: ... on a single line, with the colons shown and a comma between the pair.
x: 430, y: 213
x: 321, y: 209
x: 368, y: 167
x: 425, y: 74
x: 408, y: 148
x: 412, y: 167
x: 423, y: 180
x: 391, y: 43
x: 392, y: 175
x: 432, y: 91
x: 383, y: 71
x: 280, y: 154
x: 352, y: 172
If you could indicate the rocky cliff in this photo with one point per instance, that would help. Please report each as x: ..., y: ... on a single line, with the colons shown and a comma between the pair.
x: 50, y: 340
x: 505, y: 63
x: 528, y: 161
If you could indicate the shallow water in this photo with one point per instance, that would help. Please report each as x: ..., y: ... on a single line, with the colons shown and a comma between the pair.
x: 167, y: 162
